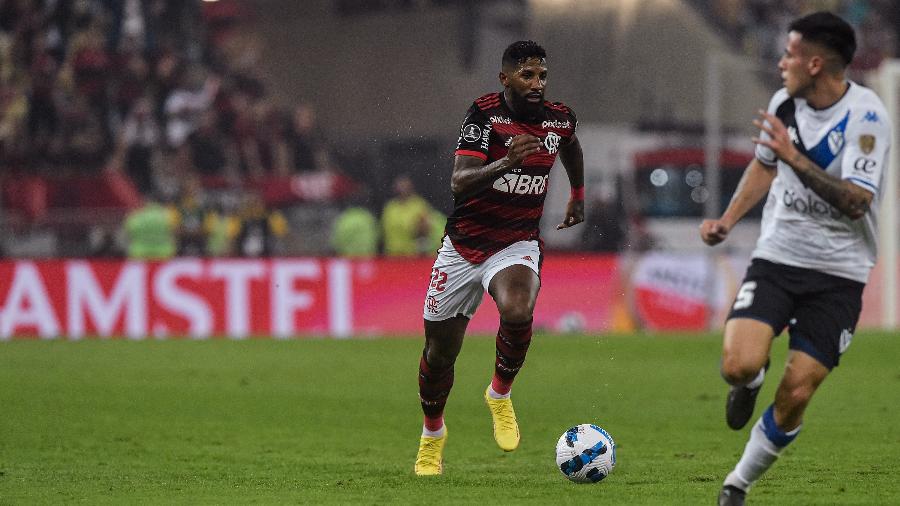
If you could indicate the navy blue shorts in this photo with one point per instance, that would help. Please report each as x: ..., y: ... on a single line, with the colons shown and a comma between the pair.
x: 819, y: 310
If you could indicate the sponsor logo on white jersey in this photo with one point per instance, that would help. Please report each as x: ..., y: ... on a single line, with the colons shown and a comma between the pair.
x: 521, y: 184
x: 808, y: 205
x: 556, y: 124
x: 864, y: 165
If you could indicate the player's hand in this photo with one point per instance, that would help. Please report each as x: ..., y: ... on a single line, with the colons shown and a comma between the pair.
x: 713, y: 231
x: 779, y: 140
x: 521, y: 147
x: 574, y: 214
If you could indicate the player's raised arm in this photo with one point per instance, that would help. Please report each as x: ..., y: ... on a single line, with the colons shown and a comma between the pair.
x: 573, y: 161
x: 470, y: 174
x: 753, y: 186
x: 849, y: 198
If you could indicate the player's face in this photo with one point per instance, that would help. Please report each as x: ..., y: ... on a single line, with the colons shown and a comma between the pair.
x: 795, y: 66
x: 526, y: 84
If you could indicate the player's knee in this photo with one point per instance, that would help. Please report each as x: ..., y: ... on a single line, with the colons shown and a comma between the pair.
x: 796, y: 397
x: 738, y: 372
x: 438, y: 360
x: 516, y: 312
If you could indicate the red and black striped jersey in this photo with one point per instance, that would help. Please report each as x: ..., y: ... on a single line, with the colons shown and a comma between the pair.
x: 510, y: 209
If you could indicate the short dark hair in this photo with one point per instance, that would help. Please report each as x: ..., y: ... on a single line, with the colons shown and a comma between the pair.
x: 829, y: 31
x: 519, y: 52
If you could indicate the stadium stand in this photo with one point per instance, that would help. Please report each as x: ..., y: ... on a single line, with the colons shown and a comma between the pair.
x: 757, y: 26
x: 105, y: 103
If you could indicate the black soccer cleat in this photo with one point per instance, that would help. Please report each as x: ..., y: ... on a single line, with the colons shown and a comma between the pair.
x: 731, y: 496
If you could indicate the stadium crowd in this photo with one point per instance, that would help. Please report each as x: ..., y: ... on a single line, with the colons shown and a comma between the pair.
x: 161, y: 100
x: 132, y: 104
x: 759, y: 26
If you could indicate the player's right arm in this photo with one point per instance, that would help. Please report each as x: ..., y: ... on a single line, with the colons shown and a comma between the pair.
x: 470, y: 173
x: 754, y: 185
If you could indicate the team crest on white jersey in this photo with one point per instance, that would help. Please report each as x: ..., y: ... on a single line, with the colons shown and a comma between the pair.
x: 835, y: 141
x: 551, y: 142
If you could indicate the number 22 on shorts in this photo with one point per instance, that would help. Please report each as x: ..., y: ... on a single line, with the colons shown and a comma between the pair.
x: 745, y: 295
x: 438, y: 280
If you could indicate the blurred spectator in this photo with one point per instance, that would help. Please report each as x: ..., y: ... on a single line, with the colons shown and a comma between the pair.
x: 102, y: 243
x: 130, y: 85
x: 83, y: 137
x: 305, y: 140
x: 141, y: 136
x: 150, y: 231
x: 355, y: 232
x: 258, y: 231
x: 13, y: 116
x: 208, y: 151
x: 184, y: 106
x: 43, y: 118
x: 273, y: 147
x: 409, y: 222
x: 90, y: 66
x: 192, y: 220
x: 221, y: 226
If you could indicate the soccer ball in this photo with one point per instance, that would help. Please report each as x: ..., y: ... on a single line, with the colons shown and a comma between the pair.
x: 586, y: 453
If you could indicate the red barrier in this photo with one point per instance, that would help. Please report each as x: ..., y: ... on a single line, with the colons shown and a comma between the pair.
x: 286, y: 297
x: 280, y: 297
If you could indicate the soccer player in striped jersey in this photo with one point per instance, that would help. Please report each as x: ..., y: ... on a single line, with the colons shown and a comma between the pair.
x: 508, y: 143
x: 820, y: 157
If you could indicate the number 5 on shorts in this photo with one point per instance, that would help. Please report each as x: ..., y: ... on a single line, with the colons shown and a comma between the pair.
x: 745, y: 295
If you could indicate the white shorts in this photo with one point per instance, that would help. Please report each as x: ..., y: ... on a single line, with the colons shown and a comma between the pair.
x: 457, y: 285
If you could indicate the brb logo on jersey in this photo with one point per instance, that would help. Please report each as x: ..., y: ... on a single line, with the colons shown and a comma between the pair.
x: 521, y: 184
x: 551, y: 142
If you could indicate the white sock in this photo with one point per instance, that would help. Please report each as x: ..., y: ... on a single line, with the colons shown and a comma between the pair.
x: 758, y: 380
x: 434, y: 433
x: 759, y: 455
x: 494, y: 395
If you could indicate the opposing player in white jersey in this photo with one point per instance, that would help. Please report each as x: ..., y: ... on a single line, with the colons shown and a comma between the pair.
x: 820, y: 157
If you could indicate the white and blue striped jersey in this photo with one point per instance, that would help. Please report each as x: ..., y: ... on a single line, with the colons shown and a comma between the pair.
x: 849, y: 140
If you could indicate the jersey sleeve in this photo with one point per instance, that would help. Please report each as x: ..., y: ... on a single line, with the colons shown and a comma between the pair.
x: 868, y: 139
x: 474, y: 134
x: 763, y: 153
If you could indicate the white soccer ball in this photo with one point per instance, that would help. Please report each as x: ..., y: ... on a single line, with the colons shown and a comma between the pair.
x: 586, y: 453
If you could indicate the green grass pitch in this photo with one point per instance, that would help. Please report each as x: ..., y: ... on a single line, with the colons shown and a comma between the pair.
x: 337, y: 422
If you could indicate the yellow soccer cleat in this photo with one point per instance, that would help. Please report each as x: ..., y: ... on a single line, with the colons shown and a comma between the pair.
x: 506, y: 430
x: 430, y: 459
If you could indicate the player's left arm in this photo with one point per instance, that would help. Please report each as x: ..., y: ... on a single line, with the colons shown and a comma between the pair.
x: 849, y: 198
x: 572, y: 158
